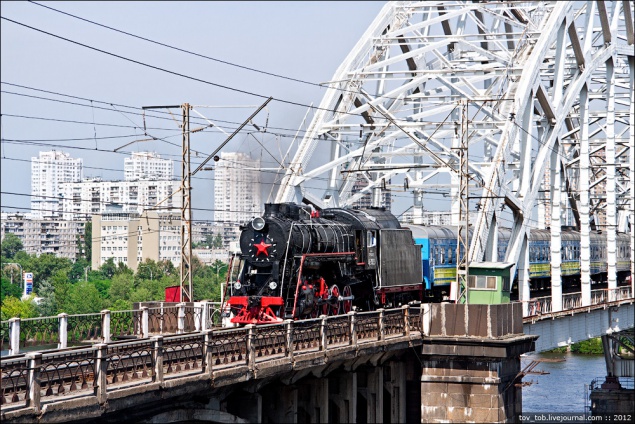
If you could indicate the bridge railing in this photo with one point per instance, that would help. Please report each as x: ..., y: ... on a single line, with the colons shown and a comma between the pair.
x: 543, y: 305
x: 71, y: 330
x: 32, y: 379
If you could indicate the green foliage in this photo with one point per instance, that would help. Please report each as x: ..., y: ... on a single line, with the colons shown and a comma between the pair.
x: 13, y: 307
x: 48, y: 302
x: 588, y: 347
x: 78, y: 270
x: 108, y: 268
x: 11, y: 244
x: 121, y: 305
x: 44, y: 267
x: 140, y: 294
x: 103, y: 286
x: 88, y: 241
x: 84, y: 299
x: 62, y: 286
x: 9, y: 289
x: 562, y: 349
x: 120, y: 287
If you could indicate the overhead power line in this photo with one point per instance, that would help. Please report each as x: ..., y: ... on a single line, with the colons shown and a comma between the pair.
x: 147, y: 65
x: 180, y: 49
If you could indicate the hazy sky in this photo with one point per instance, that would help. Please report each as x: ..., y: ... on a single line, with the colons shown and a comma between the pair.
x: 302, y: 40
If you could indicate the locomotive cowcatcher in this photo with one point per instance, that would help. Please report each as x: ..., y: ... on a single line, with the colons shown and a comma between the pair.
x: 298, y: 263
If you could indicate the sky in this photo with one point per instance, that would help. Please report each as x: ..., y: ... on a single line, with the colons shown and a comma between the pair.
x: 48, y: 80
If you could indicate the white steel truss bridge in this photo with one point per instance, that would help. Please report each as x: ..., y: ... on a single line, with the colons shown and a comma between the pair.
x: 519, y: 111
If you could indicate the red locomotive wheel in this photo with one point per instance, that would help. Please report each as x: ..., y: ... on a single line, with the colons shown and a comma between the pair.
x: 335, y: 293
x: 347, y: 304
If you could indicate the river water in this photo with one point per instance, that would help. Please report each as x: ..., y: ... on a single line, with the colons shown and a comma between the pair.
x: 564, y: 389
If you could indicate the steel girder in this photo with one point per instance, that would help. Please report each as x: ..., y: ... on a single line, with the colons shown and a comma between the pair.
x: 543, y: 82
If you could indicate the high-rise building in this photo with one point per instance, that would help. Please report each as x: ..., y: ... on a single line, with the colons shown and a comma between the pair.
x: 366, y: 201
x: 48, y: 172
x: 147, y: 166
x: 237, y: 196
x: 82, y: 199
x: 148, y: 184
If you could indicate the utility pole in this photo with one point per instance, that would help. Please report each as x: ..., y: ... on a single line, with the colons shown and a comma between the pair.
x: 458, y: 289
x: 186, y: 209
x: 186, y: 205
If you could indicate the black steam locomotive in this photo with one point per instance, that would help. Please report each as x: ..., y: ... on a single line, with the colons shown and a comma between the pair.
x: 299, y: 263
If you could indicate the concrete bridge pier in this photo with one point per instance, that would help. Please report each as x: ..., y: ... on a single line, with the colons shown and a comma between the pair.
x: 280, y: 404
x: 343, y: 397
x: 370, y: 399
x: 312, y: 398
x: 395, y: 391
x: 470, y: 368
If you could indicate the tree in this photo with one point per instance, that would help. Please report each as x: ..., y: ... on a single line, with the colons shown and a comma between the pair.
x: 44, y: 267
x: 78, y: 270
x: 148, y: 270
x: 9, y: 289
x: 11, y: 244
x: 108, y: 268
x: 88, y: 241
x: 218, y: 241
x: 48, y: 304
x: 120, y: 288
x: 13, y: 307
x: 85, y: 299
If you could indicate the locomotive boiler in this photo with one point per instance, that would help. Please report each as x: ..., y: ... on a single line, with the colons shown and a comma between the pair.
x: 298, y: 263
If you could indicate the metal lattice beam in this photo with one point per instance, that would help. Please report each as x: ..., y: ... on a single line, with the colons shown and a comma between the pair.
x: 545, y: 83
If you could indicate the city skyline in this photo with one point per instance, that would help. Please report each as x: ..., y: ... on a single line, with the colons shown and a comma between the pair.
x: 96, y: 122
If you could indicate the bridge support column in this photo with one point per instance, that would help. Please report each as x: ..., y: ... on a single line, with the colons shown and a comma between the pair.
x: 396, y: 388
x: 375, y: 395
x: 343, y: 394
x: 470, y: 371
x: 281, y: 404
x: 313, y: 401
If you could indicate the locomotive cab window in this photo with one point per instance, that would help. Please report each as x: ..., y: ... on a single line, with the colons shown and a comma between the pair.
x: 372, y: 240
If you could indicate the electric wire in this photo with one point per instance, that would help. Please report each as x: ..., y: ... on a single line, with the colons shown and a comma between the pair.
x: 158, y: 68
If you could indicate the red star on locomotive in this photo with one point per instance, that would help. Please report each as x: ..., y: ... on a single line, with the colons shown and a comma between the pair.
x: 262, y: 247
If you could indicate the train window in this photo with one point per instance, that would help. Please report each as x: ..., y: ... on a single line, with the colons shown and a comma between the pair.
x: 449, y: 255
x: 532, y: 254
x: 372, y: 241
x: 442, y: 256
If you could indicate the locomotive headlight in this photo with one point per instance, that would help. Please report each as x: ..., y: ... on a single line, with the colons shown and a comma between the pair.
x: 237, y: 285
x: 258, y: 223
x: 273, y: 285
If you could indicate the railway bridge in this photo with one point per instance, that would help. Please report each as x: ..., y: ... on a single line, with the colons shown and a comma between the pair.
x: 522, y: 111
x: 415, y: 363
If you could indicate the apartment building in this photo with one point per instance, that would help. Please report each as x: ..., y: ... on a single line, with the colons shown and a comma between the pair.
x: 131, y: 238
x: 48, y: 172
x: 64, y: 239
x: 147, y: 166
x: 93, y: 196
x: 237, y: 196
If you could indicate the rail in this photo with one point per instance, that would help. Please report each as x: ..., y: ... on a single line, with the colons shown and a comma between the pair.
x: 544, y: 305
x: 33, y: 379
x: 66, y: 330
